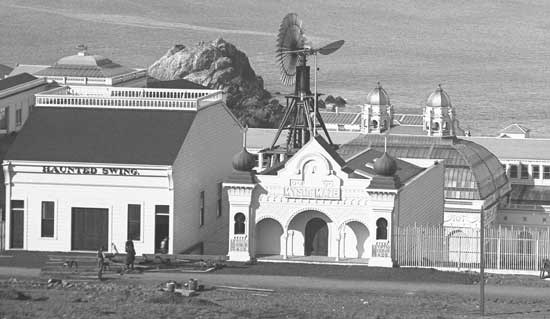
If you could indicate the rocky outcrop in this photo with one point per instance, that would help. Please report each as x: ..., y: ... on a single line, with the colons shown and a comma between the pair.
x: 220, y: 65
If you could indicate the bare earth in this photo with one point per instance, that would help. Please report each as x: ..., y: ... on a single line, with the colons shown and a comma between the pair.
x: 426, y: 295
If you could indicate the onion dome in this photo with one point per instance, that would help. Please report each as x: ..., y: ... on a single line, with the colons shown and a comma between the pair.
x: 378, y: 96
x: 439, y: 98
x: 244, y: 161
x: 385, y: 165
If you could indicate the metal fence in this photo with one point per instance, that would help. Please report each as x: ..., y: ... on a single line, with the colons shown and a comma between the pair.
x: 506, y: 249
x: 2, y: 235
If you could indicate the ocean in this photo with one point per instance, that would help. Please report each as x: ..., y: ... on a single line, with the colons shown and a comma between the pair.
x: 491, y: 56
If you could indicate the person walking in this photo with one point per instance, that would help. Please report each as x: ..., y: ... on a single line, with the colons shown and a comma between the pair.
x: 100, y: 262
x: 130, y: 255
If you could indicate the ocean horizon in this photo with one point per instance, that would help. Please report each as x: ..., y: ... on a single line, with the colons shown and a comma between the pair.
x: 490, y: 56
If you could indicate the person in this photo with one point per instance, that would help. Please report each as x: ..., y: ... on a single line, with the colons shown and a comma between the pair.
x: 164, y: 245
x: 100, y: 262
x: 130, y: 255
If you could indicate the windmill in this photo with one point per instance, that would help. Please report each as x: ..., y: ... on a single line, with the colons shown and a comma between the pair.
x: 301, y: 118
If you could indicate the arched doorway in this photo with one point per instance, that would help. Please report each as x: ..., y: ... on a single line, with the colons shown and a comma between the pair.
x: 268, y: 237
x: 316, y: 238
x: 354, y: 240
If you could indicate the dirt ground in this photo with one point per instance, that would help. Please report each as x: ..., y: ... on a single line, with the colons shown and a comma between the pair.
x: 313, y: 292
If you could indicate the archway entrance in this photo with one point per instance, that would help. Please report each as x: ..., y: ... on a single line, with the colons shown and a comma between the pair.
x: 316, y: 241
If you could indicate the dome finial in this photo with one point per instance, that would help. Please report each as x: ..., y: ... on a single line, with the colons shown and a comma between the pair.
x: 439, y: 86
x: 379, y: 86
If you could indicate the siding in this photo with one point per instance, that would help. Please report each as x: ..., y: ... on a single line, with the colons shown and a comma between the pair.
x: 421, y: 200
x: 204, y: 160
x: 25, y: 101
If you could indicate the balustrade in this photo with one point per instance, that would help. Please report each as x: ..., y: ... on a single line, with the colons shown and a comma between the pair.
x: 239, y: 243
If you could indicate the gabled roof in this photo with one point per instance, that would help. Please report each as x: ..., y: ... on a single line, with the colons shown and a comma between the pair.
x: 530, y: 195
x: 16, y: 80
x: 93, y: 71
x: 341, y: 118
x: 515, y: 149
x: 408, y: 119
x: 363, y: 162
x: 176, y: 84
x: 471, y: 171
x: 149, y: 137
x: 27, y: 68
x: 515, y: 129
x: 260, y: 138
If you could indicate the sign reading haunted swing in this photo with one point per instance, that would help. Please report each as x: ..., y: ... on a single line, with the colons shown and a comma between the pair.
x: 79, y: 170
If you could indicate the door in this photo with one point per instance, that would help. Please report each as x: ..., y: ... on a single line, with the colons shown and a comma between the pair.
x: 161, y: 233
x: 89, y: 228
x: 17, y: 228
x: 316, y: 243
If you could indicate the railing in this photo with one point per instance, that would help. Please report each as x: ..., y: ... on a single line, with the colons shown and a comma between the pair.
x: 128, y: 98
x: 381, y: 248
x: 2, y: 235
x: 506, y: 250
x: 238, y: 243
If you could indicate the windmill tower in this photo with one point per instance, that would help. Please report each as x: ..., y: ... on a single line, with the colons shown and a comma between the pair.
x: 301, y: 120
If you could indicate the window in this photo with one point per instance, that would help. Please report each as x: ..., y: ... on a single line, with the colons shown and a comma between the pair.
x: 4, y: 118
x: 239, y: 223
x: 162, y: 210
x: 48, y: 219
x: 381, y: 228
x: 536, y: 171
x: 546, y: 172
x: 435, y: 126
x: 524, y: 171
x: 134, y: 222
x: 505, y: 217
x: 513, y: 171
x: 220, y: 196
x: 18, y: 117
x: 201, y: 209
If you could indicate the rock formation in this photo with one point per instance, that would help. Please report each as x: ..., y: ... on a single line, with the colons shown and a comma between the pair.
x: 220, y: 65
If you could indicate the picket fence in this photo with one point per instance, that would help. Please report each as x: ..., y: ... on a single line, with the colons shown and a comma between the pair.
x: 513, y: 250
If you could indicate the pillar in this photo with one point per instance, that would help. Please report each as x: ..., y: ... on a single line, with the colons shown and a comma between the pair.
x: 241, y: 245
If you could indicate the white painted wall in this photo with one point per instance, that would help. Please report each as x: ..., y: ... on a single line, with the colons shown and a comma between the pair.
x: 204, y: 160
x: 24, y: 101
x: 97, y: 191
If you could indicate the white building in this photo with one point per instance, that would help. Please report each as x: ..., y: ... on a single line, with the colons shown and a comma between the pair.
x: 319, y: 204
x: 86, y: 69
x: 100, y: 165
x: 475, y: 181
x: 17, y: 99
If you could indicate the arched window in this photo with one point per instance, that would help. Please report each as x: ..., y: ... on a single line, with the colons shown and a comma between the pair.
x: 374, y: 124
x: 435, y: 126
x: 381, y: 228
x: 445, y: 125
x: 239, y: 223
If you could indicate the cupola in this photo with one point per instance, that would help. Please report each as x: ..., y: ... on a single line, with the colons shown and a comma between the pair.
x: 378, y: 96
x: 439, y: 98
x: 385, y: 165
x: 243, y: 161
x: 377, y: 113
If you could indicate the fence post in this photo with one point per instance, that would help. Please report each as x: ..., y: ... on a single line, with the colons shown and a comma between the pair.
x: 459, y: 251
x: 498, y: 250
x: 536, y: 253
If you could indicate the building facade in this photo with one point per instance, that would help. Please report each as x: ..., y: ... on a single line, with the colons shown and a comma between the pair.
x: 17, y: 100
x: 318, y: 204
x: 96, y: 166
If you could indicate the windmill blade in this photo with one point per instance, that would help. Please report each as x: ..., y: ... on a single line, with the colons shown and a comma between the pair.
x: 289, y: 40
x: 331, y: 47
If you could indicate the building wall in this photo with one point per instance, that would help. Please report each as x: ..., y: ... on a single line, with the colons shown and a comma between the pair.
x: 111, y: 192
x: 23, y: 101
x: 421, y: 200
x: 204, y: 161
